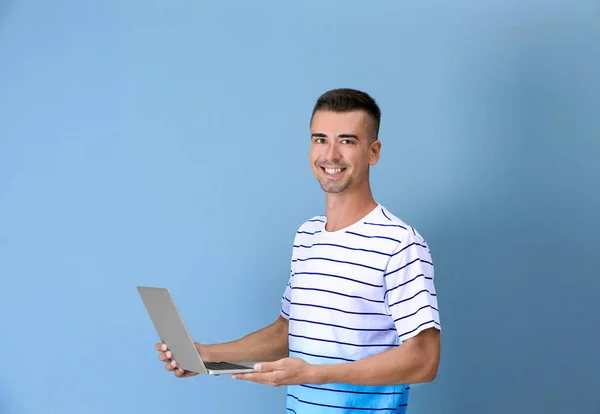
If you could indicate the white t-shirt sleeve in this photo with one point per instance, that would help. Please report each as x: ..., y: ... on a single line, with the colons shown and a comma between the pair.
x: 410, y: 294
x: 286, y: 300
x: 287, y: 293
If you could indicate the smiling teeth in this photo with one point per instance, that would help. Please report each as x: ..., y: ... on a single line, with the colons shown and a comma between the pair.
x: 333, y: 170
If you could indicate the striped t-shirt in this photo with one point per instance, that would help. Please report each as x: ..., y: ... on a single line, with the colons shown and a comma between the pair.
x: 353, y: 293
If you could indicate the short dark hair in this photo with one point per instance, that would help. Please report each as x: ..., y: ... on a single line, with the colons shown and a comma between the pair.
x: 345, y: 100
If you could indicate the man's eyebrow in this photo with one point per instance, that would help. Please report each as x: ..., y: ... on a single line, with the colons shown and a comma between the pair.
x: 321, y: 135
x: 348, y: 136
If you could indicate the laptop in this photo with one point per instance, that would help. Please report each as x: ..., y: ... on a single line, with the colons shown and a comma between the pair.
x: 173, y: 332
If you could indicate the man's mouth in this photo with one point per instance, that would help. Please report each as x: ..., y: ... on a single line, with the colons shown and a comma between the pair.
x: 333, y: 171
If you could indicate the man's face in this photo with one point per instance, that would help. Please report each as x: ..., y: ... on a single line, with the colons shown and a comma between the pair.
x: 342, y: 149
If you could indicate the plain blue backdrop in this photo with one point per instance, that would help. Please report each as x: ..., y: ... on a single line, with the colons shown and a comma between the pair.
x: 166, y: 143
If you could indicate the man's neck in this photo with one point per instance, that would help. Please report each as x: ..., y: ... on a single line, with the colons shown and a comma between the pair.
x: 343, y: 210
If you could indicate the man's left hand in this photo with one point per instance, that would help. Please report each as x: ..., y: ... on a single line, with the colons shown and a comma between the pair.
x: 286, y: 371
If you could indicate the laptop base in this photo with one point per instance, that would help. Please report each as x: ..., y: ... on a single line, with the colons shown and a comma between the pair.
x: 224, y: 368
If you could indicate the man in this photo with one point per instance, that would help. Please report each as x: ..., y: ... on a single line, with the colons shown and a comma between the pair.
x: 359, y: 318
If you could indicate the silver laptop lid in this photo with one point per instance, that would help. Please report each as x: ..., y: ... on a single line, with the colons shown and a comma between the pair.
x: 171, y: 328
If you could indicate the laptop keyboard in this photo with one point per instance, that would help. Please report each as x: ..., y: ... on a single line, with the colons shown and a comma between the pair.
x: 223, y: 365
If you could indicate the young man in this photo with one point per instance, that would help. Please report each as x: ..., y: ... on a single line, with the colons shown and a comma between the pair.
x: 359, y: 318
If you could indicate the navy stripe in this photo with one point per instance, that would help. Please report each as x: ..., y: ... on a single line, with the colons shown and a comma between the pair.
x: 373, y: 237
x: 343, y: 247
x: 338, y: 293
x: 406, y: 247
x: 306, y: 232
x: 338, y: 310
x: 343, y: 327
x: 408, y: 264
x: 313, y: 220
x: 283, y: 297
x: 414, y: 232
x: 385, y: 215
x: 285, y: 313
x: 406, y: 283
x: 342, y: 343
x: 415, y: 312
x: 385, y: 225
x: 413, y: 296
x: 340, y: 261
x: 339, y: 277
x: 352, y: 392
x: 289, y: 409
x: 337, y: 406
x: 322, y: 356
x: 424, y: 323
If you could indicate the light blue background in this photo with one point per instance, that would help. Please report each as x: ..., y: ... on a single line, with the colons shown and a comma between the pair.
x: 166, y: 142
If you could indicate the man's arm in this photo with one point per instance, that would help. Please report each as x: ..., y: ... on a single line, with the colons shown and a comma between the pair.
x: 267, y: 344
x: 415, y: 361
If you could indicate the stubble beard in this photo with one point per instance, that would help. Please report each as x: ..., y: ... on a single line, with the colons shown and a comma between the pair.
x: 334, y: 188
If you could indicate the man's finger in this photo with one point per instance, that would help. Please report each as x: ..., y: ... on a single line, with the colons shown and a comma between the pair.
x: 254, y: 377
x: 179, y: 372
x: 171, y: 365
x: 249, y: 377
x: 268, y: 366
x: 165, y: 356
x: 269, y: 378
x: 160, y: 347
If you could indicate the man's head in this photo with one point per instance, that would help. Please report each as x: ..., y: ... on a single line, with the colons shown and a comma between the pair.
x: 344, y: 131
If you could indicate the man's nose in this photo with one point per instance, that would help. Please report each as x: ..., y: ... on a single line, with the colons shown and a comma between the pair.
x: 333, y: 151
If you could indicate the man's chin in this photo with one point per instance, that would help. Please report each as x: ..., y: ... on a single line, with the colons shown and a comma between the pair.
x: 333, y: 189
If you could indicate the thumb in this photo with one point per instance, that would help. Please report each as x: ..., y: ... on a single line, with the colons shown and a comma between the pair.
x: 268, y: 366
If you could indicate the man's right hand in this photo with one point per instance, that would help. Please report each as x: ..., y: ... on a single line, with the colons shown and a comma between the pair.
x: 170, y: 364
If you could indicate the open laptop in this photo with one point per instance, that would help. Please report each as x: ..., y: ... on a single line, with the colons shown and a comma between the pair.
x: 173, y: 332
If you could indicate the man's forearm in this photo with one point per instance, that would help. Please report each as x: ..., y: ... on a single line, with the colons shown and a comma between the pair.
x: 410, y: 363
x: 267, y: 344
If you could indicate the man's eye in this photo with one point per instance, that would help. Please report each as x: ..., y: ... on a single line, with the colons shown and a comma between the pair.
x: 319, y: 140
x: 346, y: 141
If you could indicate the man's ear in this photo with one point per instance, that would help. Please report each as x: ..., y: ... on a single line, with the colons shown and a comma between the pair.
x: 374, y: 150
